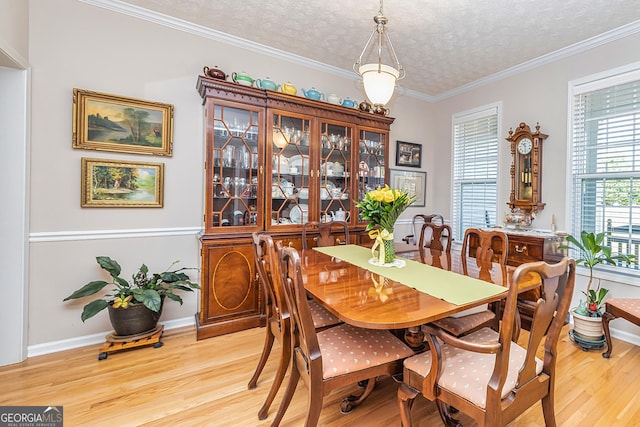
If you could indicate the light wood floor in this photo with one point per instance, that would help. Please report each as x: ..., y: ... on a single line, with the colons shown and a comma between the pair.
x: 204, y: 383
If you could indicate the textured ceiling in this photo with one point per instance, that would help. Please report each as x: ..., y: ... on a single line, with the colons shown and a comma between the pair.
x: 442, y: 44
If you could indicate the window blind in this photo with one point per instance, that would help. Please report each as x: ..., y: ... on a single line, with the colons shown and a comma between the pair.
x: 605, y: 173
x: 475, y: 169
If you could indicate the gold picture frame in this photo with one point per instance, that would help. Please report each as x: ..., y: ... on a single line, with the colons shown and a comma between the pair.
x: 125, y: 125
x: 121, y: 184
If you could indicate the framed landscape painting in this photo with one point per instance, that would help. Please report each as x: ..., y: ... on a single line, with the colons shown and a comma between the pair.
x: 126, y: 125
x: 408, y: 154
x: 121, y: 184
x: 412, y: 183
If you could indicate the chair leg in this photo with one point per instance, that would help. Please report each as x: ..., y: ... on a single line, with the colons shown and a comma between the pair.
x: 351, y: 401
x: 285, y: 359
x: 606, y: 318
x: 445, y: 415
x: 266, y: 350
x: 315, y: 399
x: 406, y: 395
x: 549, y: 411
x: 288, y: 395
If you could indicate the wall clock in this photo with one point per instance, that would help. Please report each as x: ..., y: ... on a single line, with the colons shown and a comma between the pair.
x: 526, y: 169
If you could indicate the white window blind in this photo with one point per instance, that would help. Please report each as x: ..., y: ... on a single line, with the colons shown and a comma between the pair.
x: 605, y: 173
x: 475, y: 170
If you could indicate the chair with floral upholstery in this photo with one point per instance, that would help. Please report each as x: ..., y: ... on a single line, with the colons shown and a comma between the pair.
x: 487, y: 375
x: 484, y: 243
x: 335, y: 357
x: 277, y: 313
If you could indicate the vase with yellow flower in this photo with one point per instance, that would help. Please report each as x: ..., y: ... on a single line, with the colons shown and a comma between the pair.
x: 382, y: 207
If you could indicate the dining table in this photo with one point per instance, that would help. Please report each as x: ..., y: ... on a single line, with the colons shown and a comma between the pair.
x: 416, y: 290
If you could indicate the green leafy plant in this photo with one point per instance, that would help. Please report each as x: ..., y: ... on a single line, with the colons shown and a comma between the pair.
x: 594, y: 252
x: 383, y: 206
x: 147, y: 288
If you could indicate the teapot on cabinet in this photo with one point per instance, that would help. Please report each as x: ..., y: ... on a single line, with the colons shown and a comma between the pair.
x: 339, y: 215
x: 313, y: 94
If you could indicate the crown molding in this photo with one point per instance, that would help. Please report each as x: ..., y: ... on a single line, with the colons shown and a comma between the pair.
x: 201, y: 31
x: 208, y: 33
x: 576, y: 48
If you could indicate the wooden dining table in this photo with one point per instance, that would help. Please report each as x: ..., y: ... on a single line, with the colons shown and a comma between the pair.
x: 366, y: 296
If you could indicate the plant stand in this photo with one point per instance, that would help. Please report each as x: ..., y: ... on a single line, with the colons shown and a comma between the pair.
x: 587, y: 344
x: 117, y: 342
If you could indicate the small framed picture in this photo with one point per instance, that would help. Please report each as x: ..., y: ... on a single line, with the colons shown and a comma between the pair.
x: 121, y: 184
x: 124, y: 125
x: 412, y: 183
x: 408, y: 154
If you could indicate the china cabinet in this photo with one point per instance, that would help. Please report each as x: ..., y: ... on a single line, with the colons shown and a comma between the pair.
x: 273, y: 162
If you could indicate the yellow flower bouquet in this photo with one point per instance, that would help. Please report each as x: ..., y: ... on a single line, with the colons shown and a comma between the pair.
x: 382, y: 207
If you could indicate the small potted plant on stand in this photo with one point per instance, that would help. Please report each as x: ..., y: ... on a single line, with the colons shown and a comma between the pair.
x: 134, y: 308
x: 587, y: 317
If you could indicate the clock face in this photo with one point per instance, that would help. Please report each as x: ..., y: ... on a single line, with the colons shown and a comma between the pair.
x: 524, y: 146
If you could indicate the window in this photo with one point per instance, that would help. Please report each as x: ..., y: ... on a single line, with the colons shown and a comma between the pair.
x: 605, y: 149
x: 475, y: 169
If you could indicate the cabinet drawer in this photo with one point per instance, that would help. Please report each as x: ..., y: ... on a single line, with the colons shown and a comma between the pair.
x: 521, y: 251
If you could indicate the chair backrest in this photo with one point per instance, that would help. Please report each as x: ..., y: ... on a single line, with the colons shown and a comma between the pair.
x: 548, y: 320
x: 486, y: 247
x: 266, y: 258
x: 437, y: 237
x: 416, y: 226
x: 328, y: 233
x: 304, y: 339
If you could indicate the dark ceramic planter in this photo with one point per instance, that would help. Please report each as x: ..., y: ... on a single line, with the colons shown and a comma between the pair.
x: 133, y: 320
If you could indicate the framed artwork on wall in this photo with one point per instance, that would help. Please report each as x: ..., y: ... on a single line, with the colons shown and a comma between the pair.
x: 408, y: 154
x: 121, y: 184
x: 125, y: 125
x: 412, y: 183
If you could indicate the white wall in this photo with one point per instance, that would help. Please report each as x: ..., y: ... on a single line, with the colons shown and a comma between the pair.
x: 14, y: 31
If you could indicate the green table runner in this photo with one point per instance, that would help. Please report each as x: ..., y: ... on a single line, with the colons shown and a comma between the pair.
x: 449, y: 286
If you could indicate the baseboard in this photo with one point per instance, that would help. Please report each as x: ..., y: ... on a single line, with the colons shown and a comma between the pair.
x: 83, y: 341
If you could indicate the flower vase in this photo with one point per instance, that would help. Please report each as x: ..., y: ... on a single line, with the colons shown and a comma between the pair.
x: 389, y: 251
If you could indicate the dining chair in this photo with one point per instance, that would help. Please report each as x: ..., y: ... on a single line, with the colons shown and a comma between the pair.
x: 335, y: 357
x: 487, y: 374
x: 435, y: 237
x: 326, y: 233
x: 278, y: 317
x: 485, y: 243
x: 416, y: 225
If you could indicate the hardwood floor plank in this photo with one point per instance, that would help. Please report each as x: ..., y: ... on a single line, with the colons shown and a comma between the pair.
x: 204, y: 383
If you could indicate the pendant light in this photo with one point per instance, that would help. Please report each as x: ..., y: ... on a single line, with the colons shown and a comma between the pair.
x: 379, y: 79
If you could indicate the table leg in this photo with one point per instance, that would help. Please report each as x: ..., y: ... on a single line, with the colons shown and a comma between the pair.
x: 414, y: 338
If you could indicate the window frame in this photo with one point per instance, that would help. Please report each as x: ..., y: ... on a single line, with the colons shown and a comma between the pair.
x: 479, y: 113
x: 574, y: 218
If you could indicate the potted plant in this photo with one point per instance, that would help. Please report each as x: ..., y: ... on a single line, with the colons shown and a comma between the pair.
x: 133, y: 307
x: 588, y: 315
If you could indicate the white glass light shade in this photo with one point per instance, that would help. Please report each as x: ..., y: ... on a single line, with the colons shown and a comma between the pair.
x: 379, y: 82
x: 279, y: 139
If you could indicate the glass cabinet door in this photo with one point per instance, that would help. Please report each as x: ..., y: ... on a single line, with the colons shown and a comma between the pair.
x: 371, y: 166
x: 335, y: 172
x: 233, y: 176
x: 290, y: 189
